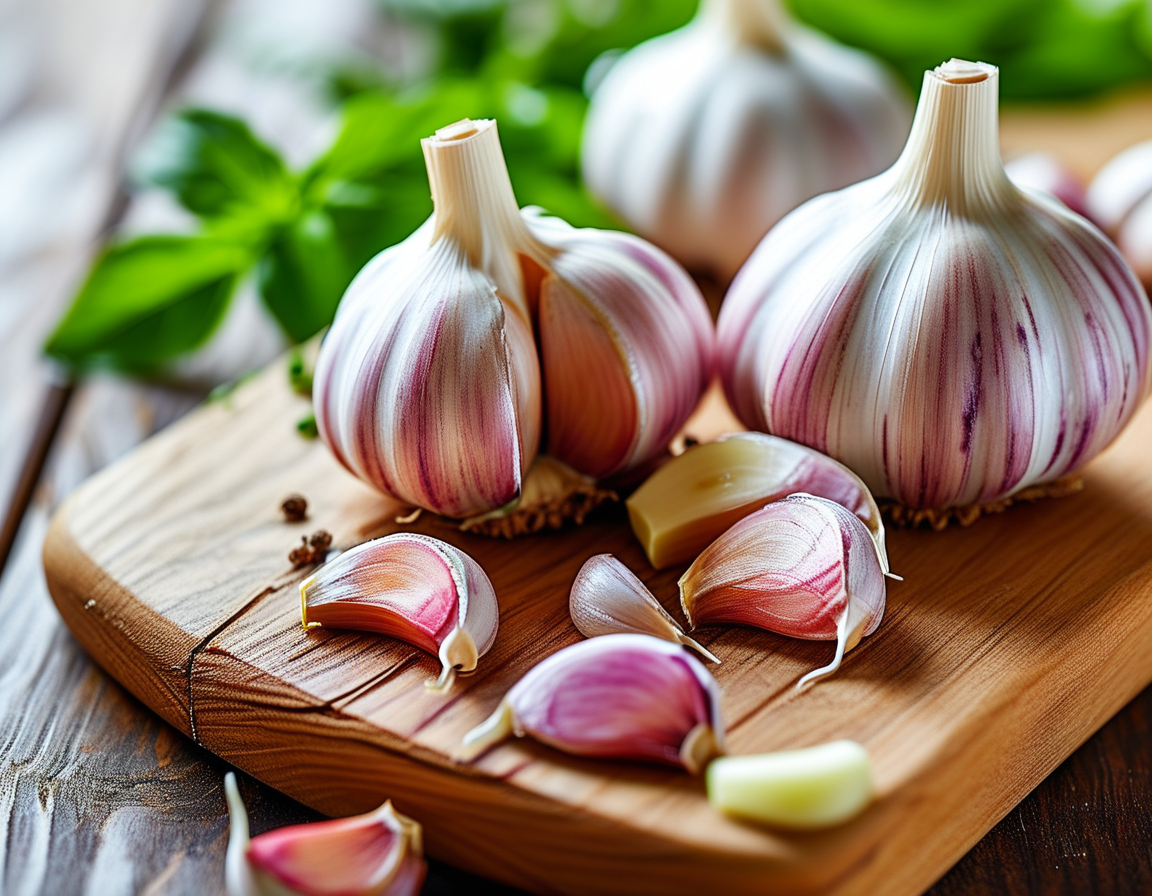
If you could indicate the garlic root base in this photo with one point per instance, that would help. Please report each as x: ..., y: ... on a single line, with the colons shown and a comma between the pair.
x: 903, y: 517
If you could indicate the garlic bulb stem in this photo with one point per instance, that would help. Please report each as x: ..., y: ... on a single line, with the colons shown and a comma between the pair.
x: 755, y: 23
x: 475, y: 205
x: 952, y: 157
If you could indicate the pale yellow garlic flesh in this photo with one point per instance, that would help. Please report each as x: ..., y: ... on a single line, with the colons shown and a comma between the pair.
x: 807, y: 789
x: 703, y: 138
x: 953, y: 340
x: 454, y: 352
x: 686, y: 504
x: 607, y: 599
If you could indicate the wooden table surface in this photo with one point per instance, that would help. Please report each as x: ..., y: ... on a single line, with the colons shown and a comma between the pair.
x: 98, y: 796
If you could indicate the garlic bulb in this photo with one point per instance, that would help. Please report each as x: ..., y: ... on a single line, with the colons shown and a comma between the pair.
x: 419, y: 589
x: 455, y: 351
x: 1120, y: 198
x: 703, y: 138
x: 607, y: 599
x: 377, y: 854
x: 951, y: 339
x: 614, y: 697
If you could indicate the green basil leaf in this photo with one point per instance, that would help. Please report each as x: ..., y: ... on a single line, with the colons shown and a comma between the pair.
x: 213, y: 163
x: 303, y: 274
x: 148, y: 301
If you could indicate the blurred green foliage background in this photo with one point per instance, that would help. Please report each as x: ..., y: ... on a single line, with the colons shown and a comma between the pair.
x: 303, y: 234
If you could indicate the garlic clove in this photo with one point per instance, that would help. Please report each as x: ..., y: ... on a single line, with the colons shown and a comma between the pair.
x: 451, y: 351
x: 803, y: 567
x: 703, y: 138
x: 952, y: 339
x: 817, y: 787
x: 607, y: 599
x: 686, y: 504
x: 1120, y: 198
x: 624, y: 344
x: 419, y: 589
x: 614, y: 697
x: 376, y: 854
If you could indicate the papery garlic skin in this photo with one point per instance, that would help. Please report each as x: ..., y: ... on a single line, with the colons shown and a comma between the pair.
x: 817, y: 787
x: 452, y: 350
x: 1120, y: 198
x: 614, y: 697
x: 419, y: 589
x: 950, y: 338
x: 607, y: 599
x: 376, y: 854
x: 803, y: 567
x: 703, y: 138
x: 686, y: 504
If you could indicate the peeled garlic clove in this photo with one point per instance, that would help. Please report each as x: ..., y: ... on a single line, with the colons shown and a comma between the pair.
x: 817, y: 787
x: 950, y: 338
x: 803, y: 567
x: 452, y: 350
x: 1120, y: 198
x: 421, y: 590
x: 703, y: 138
x: 377, y: 854
x: 614, y: 697
x: 607, y: 599
x: 686, y: 504
x: 1044, y: 173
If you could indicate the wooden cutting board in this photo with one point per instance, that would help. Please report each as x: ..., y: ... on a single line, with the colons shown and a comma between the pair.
x: 1006, y: 646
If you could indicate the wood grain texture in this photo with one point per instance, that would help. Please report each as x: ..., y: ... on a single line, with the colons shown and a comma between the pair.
x: 1008, y: 644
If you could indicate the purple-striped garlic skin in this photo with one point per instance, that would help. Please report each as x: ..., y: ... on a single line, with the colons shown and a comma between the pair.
x: 947, y: 336
x: 379, y: 853
x: 1120, y: 198
x: 622, y: 696
x: 451, y: 350
x: 804, y: 567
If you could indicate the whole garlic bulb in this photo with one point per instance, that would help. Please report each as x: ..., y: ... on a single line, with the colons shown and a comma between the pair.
x: 948, y: 337
x: 1120, y: 198
x: 704, y: 138
x: 456, y: 352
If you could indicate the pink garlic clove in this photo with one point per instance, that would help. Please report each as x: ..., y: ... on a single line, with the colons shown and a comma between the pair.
x: 377, y: 854
x: 614, y: 697
x: 419, y: 589
x: 803, y: 567
x: 607, y: 599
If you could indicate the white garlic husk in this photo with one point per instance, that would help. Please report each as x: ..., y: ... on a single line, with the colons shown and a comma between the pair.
x: 1120, y: 199
x: 949, y: 337
x: 704, y: 138
x: 456, y: 351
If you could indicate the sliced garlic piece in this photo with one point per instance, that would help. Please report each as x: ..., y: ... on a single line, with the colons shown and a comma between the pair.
x: 817, y: 787
x: 377, y: 854
x: 686, y: 504
x: 419, y: 589
x: 607, y: 599
x: 803, y: 567
x: 614, y: 697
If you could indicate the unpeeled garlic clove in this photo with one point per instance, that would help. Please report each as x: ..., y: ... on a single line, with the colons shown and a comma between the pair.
x: 686, y: 504
x: 817, y: 787
x: 413, y: 587
x: 454, y: 351
x: 614, y: 697
x: 377, y: 854
x: 951, y: 338
x: 803, y: 567
x: 1044, y: 173
x: 607, y: 599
